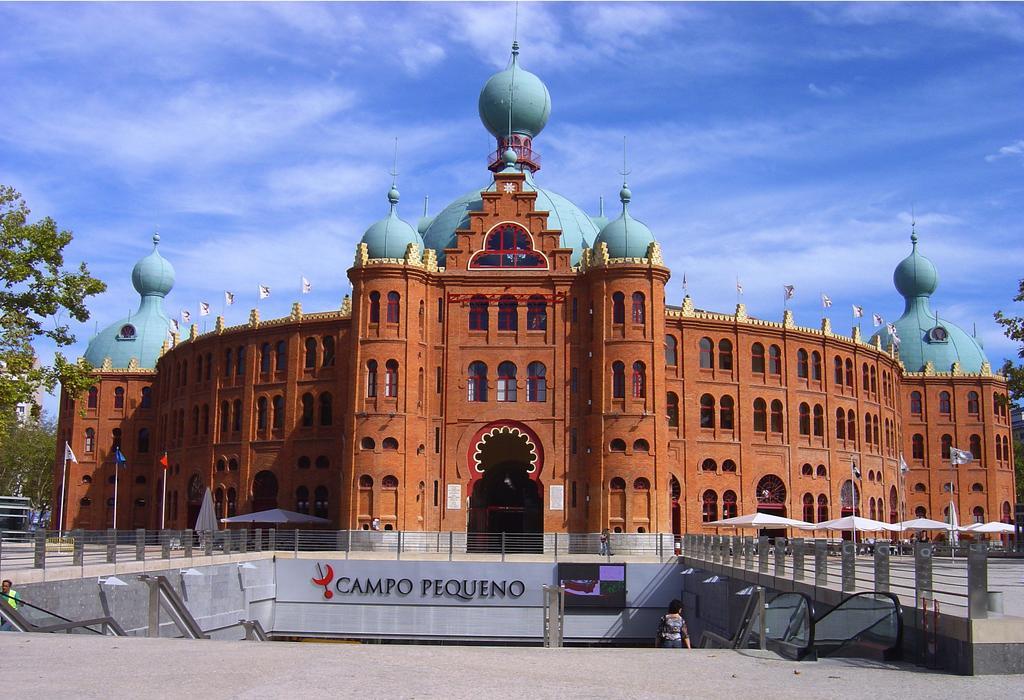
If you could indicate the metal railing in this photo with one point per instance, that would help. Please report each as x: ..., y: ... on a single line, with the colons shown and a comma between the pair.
x: 958, y: 577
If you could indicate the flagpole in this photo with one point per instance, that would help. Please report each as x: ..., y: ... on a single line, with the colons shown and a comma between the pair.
x: 163, y: 501
x: 63, y: 491
x: 116, y: 470
x: 853, y: 501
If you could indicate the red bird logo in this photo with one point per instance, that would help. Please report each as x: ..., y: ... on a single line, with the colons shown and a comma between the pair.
x: 325, y: 580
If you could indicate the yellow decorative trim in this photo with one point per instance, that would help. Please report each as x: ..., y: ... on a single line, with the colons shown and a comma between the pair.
x: 346, y: 307
x: 296, y: 314
x: 430, y: 260
x: 929, y: 369
x: 856, y: 334
x: 787, y: 319
x: 955, y: 369
x: 687, y: 309
x: 174, y: 339
x: 741, y: 313
x: 218, y: 327
x: 362, y: 255
x: 413, y: 255
x: 986, y: 369
x: 193, y: 332
x: 107, y: 365
x: 133, y: 364
x: 654, y: 254
x: 826, y: 327
x: 254, y: 318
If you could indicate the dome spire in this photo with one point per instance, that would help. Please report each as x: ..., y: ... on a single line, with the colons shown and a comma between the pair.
x: 393, y: 194
x: 624, y: 194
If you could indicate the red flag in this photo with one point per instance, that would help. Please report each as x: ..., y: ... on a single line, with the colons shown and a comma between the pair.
x: 163, y: 460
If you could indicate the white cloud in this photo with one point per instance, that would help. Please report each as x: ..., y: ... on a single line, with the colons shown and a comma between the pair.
x: 1013, y: 150
x: 828, y: 91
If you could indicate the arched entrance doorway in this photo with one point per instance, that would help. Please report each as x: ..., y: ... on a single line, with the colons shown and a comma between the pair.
x: 771, y: 499
x: 674, y: 494
x: 506, y: 499
x: 264, y: 491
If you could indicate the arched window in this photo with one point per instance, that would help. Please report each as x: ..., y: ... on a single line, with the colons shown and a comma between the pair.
x: 947, y: 444
x: 851, y: 425
x: 709, y: 465
x: 618, y: 307
x: 281, y: 356
x: 973, y: 403
x: 1006, y: 517
x: 618, y: 380
x: 865, y: 382
x: 821, y: 470
x: 874, y: 390
x: 536, y: 313
x: 757, y: 358
x: 239, y: 361
x: 807, y: 470
x: 320, y: 504
x: 236, y: 415
x: 310, y: 358
x: 945, y: 405
x: 977, y: 488
x: 808, y: 514
x: 816, y: 366
x: 709, y: 507
x: 917, y: 448
x: 871, y: 509
x: 639, y: 380
x: 261, y: 413
x: 639, y: 315
x: 366, y: 481
x: 729, y: 466
x: 819, y: 420
x: 389, y: 482
x: 617, y: 484
x: 760, y: 416
x: 302, y: 500
x: 374, y: 307
x: 508, y: 246
x: 802, y: 365
x: 672, y: 401
x: 119, y: 397
x: 508, y: 314
x: 389, y: 444
x: 307, y: 410
x: 278, y: 406
x: 476, y: 383
x: 725, y: 354
x: 147, y: 398
x: 805, y: 419
x: 920, y: 488
x: 507, y: 381
x: 391, y: 379
x: 265, y: 358
x: 641, y: 445
x: 536, y: 382
x: 221, y: 465
x: 915, y: 403
x: 225, y: 416
x: 920, y: 512
x: 707, y: 411
x: 729, y: 507
x: 838, y: 375
x: 849, y: 373
x: 875, y: 437
x: 617, y: 445
x: 478, y: 313
x: 326, y: 409
x: 707, y: 353
x: 979, y: 514
x: 394, y: 310
x: 371, y: 379
x: 328, y: 351
x: 671, y: 351
x: 195, y: 420
x: 774, y: 360
x: 93, y: 398
x: 999, y: 449
x: 199, y: 368
x: 367, y: 443
x: 776, y: 416
x: 726, y: 413
x: 867, y: 428
x: 822, y: 508
x: 304, y: 462
x: 322, y: 462
x: 641, y: 484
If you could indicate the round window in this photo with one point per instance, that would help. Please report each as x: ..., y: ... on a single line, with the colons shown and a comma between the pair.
x: 127, y: 331
x: 939, y: 334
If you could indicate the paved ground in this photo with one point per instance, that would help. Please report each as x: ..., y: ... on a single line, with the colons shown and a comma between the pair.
x: 58, y: 666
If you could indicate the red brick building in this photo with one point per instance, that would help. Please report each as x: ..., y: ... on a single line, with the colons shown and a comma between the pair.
x: 512, y: 365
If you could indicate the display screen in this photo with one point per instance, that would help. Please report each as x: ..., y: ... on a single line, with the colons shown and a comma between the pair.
x: 593, y: 585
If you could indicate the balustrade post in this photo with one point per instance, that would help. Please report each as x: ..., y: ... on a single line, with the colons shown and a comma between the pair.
x: 882, y: 552
x: 780, y: 557
x: 78, y: 558
x: 140, y: 544
x: 748, y: 552
x: 165, y: 544
x: 39, y: 550
x: 820, y: 563
x: 111, y: 546
x: 923, y: 570
x: 762, y: 555
x: 849, y: 566
x: 798, y: 558
x: 187, y: 537
x: 977, y: 581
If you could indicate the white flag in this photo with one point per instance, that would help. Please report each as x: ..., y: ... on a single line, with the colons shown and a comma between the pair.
x: 903, y: 465
x: 826, y: 301
x: 229, y: 298
x: 856, y: 471
x: 877, y: 320
x: 68, y: 454
x: 186, y: 316
x: 264, y: 291
x: 306, y: 286
x: 174, y: 325
x: 960, y: 456
x: 789, y: 290
x: 739, y: 287
x: 204, y: 308
x: 858, y: 311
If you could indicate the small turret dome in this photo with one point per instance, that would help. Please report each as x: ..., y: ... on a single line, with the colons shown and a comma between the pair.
x: 531, y: 102
x: 915, y: 276
x: 390, y: 237
x: 625, y: 236
x: 153, y: 275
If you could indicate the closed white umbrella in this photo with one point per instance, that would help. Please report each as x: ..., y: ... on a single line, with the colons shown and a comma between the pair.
x: 851, y: 522
x: 757, y: 520
x: 923, y: 524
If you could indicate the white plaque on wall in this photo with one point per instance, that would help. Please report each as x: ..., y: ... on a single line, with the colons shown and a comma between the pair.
x: 556, y: 499
x: 454, y: 496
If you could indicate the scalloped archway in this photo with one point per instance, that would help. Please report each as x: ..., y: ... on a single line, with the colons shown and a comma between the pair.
x: 506, y: 497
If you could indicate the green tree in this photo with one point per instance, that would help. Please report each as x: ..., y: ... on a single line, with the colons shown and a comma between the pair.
x: 1013, y: 327
x: 38, y: 297
x: 27, y: 454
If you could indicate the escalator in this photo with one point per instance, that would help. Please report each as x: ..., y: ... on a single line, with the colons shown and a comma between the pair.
x: 863, y: 625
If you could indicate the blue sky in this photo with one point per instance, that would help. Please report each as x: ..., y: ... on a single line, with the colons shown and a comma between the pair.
x: 780, y: 143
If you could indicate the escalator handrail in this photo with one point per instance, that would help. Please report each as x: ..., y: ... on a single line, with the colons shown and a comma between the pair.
x: 789, y: 649
x: 898, y: 643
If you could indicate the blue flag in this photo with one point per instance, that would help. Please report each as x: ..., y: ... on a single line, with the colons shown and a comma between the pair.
x: 118, y: 457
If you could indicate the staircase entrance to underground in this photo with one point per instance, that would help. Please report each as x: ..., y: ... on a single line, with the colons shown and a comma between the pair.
x: 506, y: 507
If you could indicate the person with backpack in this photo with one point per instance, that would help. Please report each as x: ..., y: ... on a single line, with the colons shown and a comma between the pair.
x: 672, y: 630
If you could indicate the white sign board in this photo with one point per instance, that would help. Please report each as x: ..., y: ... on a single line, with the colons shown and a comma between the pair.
x: 454, y: 496
x: 556, y: 498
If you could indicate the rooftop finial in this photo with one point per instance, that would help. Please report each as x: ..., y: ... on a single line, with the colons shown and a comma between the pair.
x: 156, y: 238
x: 393, y: 192
x: 624, y: 194
x: 426, y: 204
x: 913, y: 227
x: 600, y: 205
x: 515, y: 32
